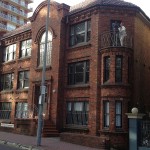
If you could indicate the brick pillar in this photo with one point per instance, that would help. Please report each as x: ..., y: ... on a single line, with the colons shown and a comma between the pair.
x: 134, y: 122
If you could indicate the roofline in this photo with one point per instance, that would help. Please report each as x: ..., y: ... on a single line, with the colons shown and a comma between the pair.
x: 110, y: 5
x: 7, y: 36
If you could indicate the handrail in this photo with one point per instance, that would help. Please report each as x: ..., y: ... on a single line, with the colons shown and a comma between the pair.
x: 14, y: 9
x: 112, y: 39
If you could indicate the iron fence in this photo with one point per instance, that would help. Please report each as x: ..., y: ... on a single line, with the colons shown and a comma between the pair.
x: 145, y: 133
x: 77, y: 118
x: 111, y: 39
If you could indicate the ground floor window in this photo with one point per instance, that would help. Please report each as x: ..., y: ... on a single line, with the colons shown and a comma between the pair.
x: 77, y: 113
x: 106, y: 114
x: 22, y: 110
x: 118, y: 114
x: 5, y: 110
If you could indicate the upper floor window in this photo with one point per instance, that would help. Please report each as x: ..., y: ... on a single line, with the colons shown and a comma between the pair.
x: 106, y: 114
x: 106, y: 68
x: 129, y: 69
x: 25, y: 48
x: 42, y: 49
x: 118, y: 69
x: 23, y: 79
x: 5, y: 110
x: 78, y: 73
x: 77, y: 113
x: 80, y: 33
x: 9, y: 53
x: 7, y: 81
x: 118, y: 114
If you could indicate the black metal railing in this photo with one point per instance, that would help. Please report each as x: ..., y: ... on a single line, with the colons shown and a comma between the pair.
x: 5, y: 114
x: 145, y: 134
x: 77, y: 118
x: 31, y: 112
x: 112, y: 39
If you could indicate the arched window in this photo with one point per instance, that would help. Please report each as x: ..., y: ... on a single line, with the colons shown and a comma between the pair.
x: 49, y: 49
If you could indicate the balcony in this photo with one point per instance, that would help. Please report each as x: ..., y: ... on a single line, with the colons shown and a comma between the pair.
x: 3, y: 27
x: 14, y: 10
x: 17, y: 3
x: 111, y: 39
x: 10, y: 19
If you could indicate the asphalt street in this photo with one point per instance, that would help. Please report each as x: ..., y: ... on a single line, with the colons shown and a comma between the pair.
x: 6, y: 147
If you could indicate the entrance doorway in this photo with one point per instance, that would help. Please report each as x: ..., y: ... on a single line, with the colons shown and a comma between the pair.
x: 46, y: 104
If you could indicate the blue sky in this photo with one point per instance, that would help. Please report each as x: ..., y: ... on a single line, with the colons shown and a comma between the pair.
x: 143, y: 4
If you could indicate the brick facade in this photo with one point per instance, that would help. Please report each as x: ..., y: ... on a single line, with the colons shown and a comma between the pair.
x: 60, y: 95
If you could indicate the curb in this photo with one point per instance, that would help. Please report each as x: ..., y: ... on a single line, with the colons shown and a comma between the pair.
x: 17, y: 145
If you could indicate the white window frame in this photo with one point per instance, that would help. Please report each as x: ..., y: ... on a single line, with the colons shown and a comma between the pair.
x: 9, y: 53
x: 26, y: 48
x: 42, y: 47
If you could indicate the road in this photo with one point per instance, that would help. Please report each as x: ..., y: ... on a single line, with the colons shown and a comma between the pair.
x: 6, y: 147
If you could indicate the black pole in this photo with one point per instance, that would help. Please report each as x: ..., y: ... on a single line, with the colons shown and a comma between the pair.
x: 43, y: 87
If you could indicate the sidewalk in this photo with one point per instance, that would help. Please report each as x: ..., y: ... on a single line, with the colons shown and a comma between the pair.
x: 29, y: 143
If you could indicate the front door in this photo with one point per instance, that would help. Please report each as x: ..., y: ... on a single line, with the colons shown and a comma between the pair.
x: 46, y: 103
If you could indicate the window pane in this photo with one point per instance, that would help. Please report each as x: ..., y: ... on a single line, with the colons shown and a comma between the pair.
x: 23, y: 79
x: 78, y: 106
x: 79, y: 78
x: 78, y: 73
x: 21, y: 75
x: 106, y: 68
x: 80, y: 38
x: 78, y: 114
x: 49, y: 49
x: 118, y: 114
x: 118, y: 76
x: 26, y: 83
x: 79, y: 67
x: 22, y: 110
x: 118, y: 108
x: 106, y: 114
x: 80, y: 27
x: 80, y: 33
x: 5, y: 110
x: 68, y: 106
x: 7, y: 82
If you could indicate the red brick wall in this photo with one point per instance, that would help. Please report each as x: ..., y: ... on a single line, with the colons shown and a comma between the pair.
x: 96, y: 91
x: 141, y: 64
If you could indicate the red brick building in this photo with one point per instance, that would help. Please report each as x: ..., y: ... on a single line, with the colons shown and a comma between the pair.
x: 92, y: 79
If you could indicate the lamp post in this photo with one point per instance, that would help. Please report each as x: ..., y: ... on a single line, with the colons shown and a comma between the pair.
x: 43, y: 87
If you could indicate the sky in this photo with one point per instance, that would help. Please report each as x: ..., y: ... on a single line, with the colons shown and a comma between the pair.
x: 143, y: 4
